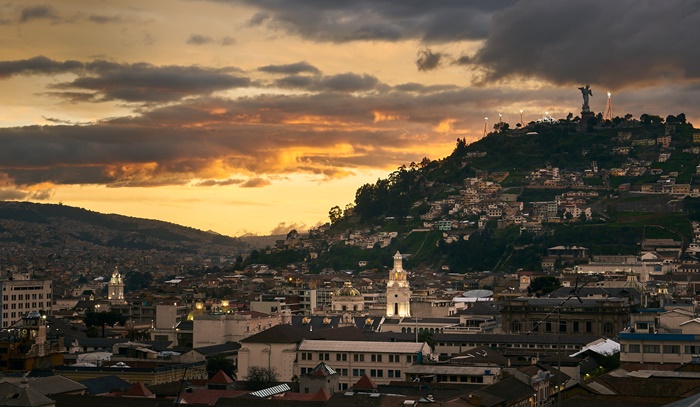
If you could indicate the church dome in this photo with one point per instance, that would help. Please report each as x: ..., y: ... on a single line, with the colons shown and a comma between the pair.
x: 347, y: 291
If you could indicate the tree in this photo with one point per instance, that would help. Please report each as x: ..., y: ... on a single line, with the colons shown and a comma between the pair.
x: 427, y: 337
x: 138, y: 335
x: 102, y: 319
x: 335, y: 214
x: 543, y: 285
x: 220, y: 362
x: 261, y: 378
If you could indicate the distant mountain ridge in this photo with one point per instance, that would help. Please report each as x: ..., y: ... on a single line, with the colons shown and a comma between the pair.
x: 29, y: 224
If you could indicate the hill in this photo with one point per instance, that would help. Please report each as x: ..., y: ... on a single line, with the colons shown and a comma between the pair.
x: 26, y: 227
x: 497, y: 204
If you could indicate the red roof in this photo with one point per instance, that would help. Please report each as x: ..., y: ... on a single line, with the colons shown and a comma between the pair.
x: 138, y: 390
x: 365, y: 383
x: 321, y: 395
x: 209, y: 397
x: 220, y: 378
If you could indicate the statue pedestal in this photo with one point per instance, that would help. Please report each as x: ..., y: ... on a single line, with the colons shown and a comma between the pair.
x: 586, y: 115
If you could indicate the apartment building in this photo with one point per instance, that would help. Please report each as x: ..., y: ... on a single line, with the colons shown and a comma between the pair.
x: 383, y: 362
x: 658, y: 336
x: 22, y: 295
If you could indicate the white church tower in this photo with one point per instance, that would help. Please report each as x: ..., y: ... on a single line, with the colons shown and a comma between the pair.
x: 116, y: 288
x: 398, y: 293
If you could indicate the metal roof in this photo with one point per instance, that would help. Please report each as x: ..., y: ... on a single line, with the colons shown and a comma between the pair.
x: 361, y: 346
x: 606, y: 347
x: 271, y: 391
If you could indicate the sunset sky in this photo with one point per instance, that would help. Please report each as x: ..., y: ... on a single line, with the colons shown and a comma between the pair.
x: 258, y: 116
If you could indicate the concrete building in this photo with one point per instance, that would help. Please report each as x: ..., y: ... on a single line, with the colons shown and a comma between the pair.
x: 597, y: 317
x: 217, y: 329
x: 22, y: 295
x: 659, y: 336
x: 381, y: 361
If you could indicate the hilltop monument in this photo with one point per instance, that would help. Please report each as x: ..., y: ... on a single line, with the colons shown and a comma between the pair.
x: 586, y: 92
x: 586, y: 113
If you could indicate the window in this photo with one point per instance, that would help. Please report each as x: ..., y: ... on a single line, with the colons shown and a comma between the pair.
x: 515, y: 326
x: 343, y: 372
x: 633, y: 348
x: 323, y: 356
x: 672, y: 349
x: 394, y: 359
x: 607, y: 327
x: 394, y: 373
x: 358, y: 372
x: 376, y: 358
x: 303, y: 370
x: 306, y: 356
x: 589, y: 326
x: 650, y: 348
x: 341, y: 357
x: 21, y: 297
x: 358, y: 357
x: 562, y: 326
x: 574, y: 326
x: 535, y: 326
x: 548, y: 327
x: 692, y: 349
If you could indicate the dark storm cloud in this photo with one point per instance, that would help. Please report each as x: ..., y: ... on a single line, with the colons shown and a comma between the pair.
x: 38, y: 65
x: 613, y: 43
x: 40, y: 12
x: 428, y: 60
x: 345, y: 82
x: 139, y: 82
x: 12, y: 194
x: 197, y: 39
x: 388, y: 20
x: 142, y: 82
x: 290, y: 69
